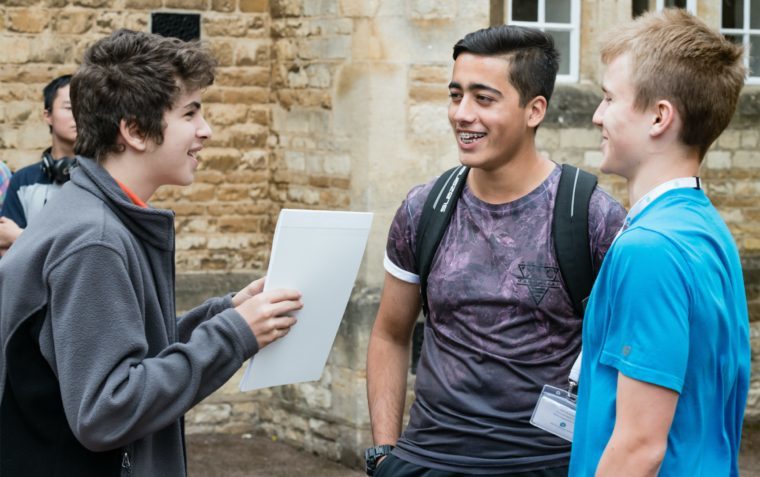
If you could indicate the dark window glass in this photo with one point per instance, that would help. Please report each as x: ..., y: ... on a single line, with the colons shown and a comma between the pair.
x: 185, y: 26
x: 732, y: 14
x: 639, y: 7
x: 525, y: 10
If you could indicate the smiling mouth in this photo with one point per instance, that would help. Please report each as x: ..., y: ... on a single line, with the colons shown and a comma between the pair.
x: 470, y: 137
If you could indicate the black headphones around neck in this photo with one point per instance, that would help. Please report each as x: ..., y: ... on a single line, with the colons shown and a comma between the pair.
x: 57, y: 170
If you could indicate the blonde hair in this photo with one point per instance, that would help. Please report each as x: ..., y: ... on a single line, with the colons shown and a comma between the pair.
x: 676, y: 56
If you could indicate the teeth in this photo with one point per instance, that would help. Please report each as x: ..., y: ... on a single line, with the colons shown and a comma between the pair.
x: 468, y: 137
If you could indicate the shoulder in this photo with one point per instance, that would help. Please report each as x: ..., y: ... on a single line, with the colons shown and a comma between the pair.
x: 31, y: 174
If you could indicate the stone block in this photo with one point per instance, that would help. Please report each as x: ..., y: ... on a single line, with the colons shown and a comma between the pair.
x: 337, y: 165
x: 592, y: 159
x: 358, y: 8
x: 73, y: 22
x: 226, y: 114
x: 16, y: 49
x: 225, y: 25
x: 184, y: 4
x: 190, y: 242
x: 432, y: 9
x: 247, y: 95
x: 330, y: 26
x: 730, y: 139
x: 319, y: 76
x: 420, y: 93
x: 211, y: 413
x: 230, y: 193
x: 428, y: 122
x: 746, y: 159
x: 437, y: 75
x: 254, y: 53
x: 243, y: 76
x: 717, y: 160
x: 255, y: 6
x: 585, y: 138
x: 303, y: 195
x: 198, y: 192
x: 285, y: 8
x: 228, y: 242
x: 28, y: 20
x: 320, y: 8
x: 750, y: 139
x: 242, y: 224
x: 143, y: 4
x: 326, y: 48
x: 224, y: 5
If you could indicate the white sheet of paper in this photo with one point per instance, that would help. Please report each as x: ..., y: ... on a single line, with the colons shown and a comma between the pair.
x: 317, y: 253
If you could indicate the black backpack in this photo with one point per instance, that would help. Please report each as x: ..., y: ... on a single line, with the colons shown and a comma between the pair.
x: 569, y: 231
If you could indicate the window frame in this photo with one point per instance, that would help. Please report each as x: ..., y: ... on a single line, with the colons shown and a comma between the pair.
x: 574, y: 27
x: 745, y: 31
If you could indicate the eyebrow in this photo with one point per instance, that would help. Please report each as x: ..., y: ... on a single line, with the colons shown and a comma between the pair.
x: 475, y: 87
x: 193, y: 105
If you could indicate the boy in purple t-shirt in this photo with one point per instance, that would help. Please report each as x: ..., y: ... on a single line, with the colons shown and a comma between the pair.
x: 501, y: 324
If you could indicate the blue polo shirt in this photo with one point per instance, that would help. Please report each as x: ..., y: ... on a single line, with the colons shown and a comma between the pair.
x: 669, y: 308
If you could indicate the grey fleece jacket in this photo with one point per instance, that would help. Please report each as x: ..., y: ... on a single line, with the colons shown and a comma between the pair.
x: 98, y: 272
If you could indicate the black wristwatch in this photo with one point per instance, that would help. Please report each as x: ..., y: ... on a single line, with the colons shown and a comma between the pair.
x: 373, y: 454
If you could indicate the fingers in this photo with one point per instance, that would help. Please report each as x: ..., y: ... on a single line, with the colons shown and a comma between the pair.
x: 280, y: 327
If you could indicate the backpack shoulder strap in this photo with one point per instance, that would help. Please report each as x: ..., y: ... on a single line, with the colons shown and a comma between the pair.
x: 570, y: 233
x: 436, y: 214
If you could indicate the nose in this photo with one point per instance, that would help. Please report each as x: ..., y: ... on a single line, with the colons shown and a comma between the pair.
x: 463, y: 111
x: 599, y: 113
x: 204, y: 130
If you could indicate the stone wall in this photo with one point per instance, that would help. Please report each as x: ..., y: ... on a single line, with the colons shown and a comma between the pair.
x: 331, y: 104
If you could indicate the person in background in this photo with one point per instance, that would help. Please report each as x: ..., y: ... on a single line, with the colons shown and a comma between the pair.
x: 34, y: 185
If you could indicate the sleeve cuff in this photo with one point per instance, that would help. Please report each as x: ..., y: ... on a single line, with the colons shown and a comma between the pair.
x: 641, y: 373
x: 399, y: 272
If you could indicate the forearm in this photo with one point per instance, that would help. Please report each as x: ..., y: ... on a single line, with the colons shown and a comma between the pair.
x: 200, y: 314
x: 631, y: 458
x: 387, y: 367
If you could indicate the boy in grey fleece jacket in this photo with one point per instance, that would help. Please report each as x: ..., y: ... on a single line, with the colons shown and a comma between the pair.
x: 95, y: 371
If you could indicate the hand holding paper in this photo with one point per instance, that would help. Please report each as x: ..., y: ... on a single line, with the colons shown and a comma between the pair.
x: 268, y: 313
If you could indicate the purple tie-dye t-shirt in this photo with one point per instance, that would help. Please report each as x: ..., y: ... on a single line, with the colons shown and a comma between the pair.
x: 501, y: 326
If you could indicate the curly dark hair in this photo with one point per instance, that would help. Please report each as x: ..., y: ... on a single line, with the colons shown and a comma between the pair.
x: 135, y: 77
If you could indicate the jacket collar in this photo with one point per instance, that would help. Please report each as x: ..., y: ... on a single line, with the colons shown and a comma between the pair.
x: 151, y: 225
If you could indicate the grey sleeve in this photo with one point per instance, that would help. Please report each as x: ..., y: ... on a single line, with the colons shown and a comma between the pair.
x: 114, y: 393
x: 189, y: 321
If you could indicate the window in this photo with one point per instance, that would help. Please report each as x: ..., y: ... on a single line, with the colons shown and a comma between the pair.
x: 185, y: 26
x: 740, y: 23
x: 641, y: 6
x: 559, y: 18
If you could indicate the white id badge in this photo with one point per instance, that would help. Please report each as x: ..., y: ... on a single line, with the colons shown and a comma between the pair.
x: 555, y: 412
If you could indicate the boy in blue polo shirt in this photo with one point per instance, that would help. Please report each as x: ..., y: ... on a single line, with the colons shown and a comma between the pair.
x: 666, y: 359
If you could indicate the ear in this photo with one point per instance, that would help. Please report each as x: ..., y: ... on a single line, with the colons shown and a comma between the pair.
x: 535, y: 110
x: 48, y: 117
x: 663, y: 118
x: 131, y: 137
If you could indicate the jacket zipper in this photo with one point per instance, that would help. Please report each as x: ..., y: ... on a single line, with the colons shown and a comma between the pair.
x: 126, y: 463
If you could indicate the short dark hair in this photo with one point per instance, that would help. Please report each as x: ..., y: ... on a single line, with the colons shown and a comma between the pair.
x: 137, y: 77
x: 533, y: 59
x: 51, y: 90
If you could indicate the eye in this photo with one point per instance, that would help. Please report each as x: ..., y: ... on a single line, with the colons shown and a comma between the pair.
x: 484, y: 99
x: 455, y: 95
